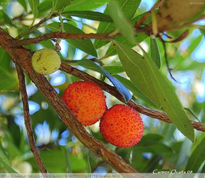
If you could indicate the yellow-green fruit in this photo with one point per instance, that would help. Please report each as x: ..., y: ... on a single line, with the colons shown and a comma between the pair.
x: 46, y: 61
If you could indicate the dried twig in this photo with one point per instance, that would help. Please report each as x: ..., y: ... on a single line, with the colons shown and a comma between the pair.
x: 112, y: 90
x: 27, y: 121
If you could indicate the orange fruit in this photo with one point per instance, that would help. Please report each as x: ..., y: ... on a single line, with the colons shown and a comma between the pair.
x: 122, y: 126
x: 86, y: 100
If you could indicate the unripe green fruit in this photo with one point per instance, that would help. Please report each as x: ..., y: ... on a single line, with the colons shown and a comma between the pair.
x: 46, y: 61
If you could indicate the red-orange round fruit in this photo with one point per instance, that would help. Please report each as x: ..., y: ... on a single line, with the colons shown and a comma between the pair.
x: 122, y: 126
x: 86, y: 100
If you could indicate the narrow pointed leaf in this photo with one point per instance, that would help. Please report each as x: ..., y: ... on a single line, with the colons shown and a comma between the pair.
x: 120, y: 21
x: 197, y: 157
x: 145, y: 75
x: 60, y: 4
x: 7, y: 166
x: 127, y: 7
x: 7, y: 79
x: 85, y: 4
x: 136, y: 92
x: 92, y: 15
x: 34, y: 4
x: 155, y: 53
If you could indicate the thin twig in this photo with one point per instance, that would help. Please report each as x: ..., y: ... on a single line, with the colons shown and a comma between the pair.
x: 112, y: 90
x: 36, y: 26
x: 29, y: 129
x: 144, y: 18
x: 102, y: 36
x: 166, y: 60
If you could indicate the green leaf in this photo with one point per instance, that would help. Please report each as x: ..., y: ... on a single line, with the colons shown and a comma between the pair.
x: 34, y: 5
x: 202, y: 30
x: 157, y: 148
x: 3, y: 155
x: 67, y: 159
x: 3, y: 3
x: 12, y: 150
x: 4, y: 18
x: 183, y: 153
x: 55, y: 161
x: 84, y: 45
x: 145, y: 75
x: 89, y: 15
x: 155, y: 53
x: 51, y: 158
x: 138, y: 161
x: 139, y: 38
x: 85, y: 5
x: 150, y: 139
x: 7, y: 166
x: 14, y: 131
x: 128, y: 8
x: 153, y: 143
x: 197, y: 157
x: 136, y: 92
x: 194, y: 44
x: 124, y: 153
x: 59, y: 5
x: 114, y: 69
x: 89, y: 170
x: 152, y: 164
x: 191, y: 65
x: 47, y: 44
x: 45, y: 8
x: 112, y: 50
x: 120, y: 21
x: 89, y: 65
x: 7, y: 79
x: 5, y: 60
x: 71, y: 52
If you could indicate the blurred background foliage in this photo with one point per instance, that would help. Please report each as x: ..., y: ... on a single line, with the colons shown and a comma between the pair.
x: 163, y: 147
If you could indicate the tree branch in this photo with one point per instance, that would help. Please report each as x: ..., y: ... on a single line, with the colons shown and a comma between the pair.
x: 112, y: 90
x: 101, y: 36
x: 29, y: 129
x: 22, y: 57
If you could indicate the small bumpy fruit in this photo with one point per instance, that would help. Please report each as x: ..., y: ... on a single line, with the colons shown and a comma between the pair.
x: 86, y: 100
x: 46, y: 61
x: 122, y: 126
